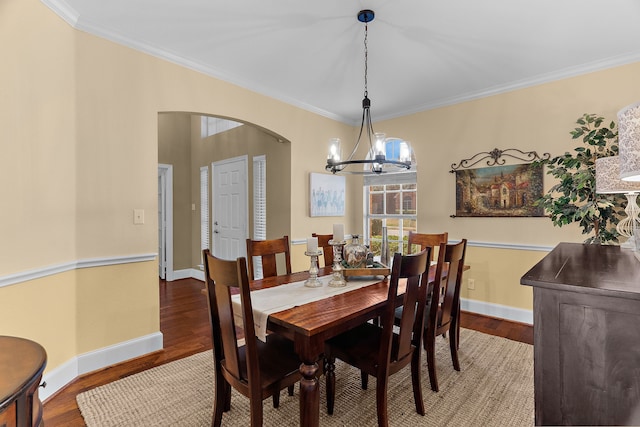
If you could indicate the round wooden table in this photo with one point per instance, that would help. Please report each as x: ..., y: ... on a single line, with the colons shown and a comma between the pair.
x: 21, y: 365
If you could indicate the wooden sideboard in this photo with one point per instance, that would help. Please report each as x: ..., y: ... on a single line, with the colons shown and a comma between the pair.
x: 586, y: 303
x: 21, y: 365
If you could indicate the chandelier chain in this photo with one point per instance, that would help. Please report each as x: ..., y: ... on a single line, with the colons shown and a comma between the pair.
x: 366, y: 57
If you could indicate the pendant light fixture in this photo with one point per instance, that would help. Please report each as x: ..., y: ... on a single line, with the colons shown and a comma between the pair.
x: 377, y: 160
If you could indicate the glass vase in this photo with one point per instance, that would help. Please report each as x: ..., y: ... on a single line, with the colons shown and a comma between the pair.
x: 355, y: 254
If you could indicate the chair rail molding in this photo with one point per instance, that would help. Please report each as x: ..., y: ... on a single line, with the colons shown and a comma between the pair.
x: 50, y: 270
x: 477, y: 244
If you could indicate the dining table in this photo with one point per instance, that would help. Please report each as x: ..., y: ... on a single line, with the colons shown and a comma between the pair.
x: 310, y: 324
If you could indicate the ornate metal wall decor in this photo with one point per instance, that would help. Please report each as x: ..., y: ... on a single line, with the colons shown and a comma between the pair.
x: 496, y: 157
x: 499, y: 190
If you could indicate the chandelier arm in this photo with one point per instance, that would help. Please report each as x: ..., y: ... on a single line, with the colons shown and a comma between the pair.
x: 355, y: 147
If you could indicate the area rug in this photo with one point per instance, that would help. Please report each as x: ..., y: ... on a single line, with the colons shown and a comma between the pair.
x: 494, y: 388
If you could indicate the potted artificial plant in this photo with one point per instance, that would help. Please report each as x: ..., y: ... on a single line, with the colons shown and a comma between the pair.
x: 574, y: 197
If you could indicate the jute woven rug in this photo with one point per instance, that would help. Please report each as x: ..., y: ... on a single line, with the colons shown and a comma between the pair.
x: 494, y: 388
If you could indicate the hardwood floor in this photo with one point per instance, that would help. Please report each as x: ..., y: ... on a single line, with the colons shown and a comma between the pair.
x: 184, y: 322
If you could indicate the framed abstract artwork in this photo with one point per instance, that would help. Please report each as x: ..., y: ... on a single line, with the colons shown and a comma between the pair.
x: 326, y: 195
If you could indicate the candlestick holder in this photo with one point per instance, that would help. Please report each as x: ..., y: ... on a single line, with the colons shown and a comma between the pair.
x: 338, y: 277
x: 312, y: 281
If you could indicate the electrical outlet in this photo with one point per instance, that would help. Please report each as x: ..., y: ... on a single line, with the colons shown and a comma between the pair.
x: 471, y: 283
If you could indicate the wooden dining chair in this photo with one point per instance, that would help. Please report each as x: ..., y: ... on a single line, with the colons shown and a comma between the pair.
x: 443, y: 315
x: 267, y: 251
x: 378, y: 350
x: 327, y: 249
x: 256, y: 369
x: 423, y: 240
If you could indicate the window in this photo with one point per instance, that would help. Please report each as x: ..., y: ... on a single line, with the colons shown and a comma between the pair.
x: 259, y: 206
x: 213, y: 125
x: 259, y: 198
x: 204, y: 207
x: 390, y: 200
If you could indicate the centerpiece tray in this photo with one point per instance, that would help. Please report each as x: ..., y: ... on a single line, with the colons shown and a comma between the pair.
x: 376, y: 269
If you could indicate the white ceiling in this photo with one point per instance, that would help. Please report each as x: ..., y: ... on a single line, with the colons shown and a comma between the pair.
x: 422, y: 53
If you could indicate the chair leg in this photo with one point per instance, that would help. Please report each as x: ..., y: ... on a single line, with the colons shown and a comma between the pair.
x: 415, y: 381
x: 290, y: 390
x: 256, y: 412
x: 330, y: 375
x: 227, y: 404
x: 381, y: 402
x: 453, y: 345
x: 458, y: 326
x: 364, y: 380
x: 219, y: 403
x: 429, y: 345
x: 276, y: 399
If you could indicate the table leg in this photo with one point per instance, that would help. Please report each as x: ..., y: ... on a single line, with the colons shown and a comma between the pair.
x: 309, y: 395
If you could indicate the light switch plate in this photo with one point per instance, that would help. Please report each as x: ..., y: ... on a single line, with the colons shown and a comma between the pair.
x: 138, y: 216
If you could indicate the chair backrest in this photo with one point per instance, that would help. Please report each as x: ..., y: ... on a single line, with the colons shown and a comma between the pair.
x: 224, y: 278
x: 267, y: 250
x: 414, y: 268
x: 423, y: 240
x: 452, y: 257
x: 327, y: 249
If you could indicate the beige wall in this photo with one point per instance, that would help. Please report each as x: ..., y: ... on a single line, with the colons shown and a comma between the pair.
x: 80, y: 152
x: 174, y: 148
x: 38, y: 116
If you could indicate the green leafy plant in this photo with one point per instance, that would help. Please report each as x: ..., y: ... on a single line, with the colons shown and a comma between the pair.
x: 574, y: 197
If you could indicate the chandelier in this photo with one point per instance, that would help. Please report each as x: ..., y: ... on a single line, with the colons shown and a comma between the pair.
x: 377, y: 160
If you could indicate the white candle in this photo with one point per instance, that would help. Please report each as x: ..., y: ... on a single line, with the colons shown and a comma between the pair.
x: 338, y: 232
x: 312, y: 244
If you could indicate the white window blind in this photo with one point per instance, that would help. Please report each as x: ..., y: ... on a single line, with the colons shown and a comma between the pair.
x: 204, y: 207
x: 259, y: 198
x: 259, y: 205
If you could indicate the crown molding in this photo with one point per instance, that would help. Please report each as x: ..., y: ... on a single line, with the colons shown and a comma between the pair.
x: 72, y: 17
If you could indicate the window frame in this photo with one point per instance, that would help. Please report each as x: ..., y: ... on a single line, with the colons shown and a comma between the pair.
x: 408, y: 177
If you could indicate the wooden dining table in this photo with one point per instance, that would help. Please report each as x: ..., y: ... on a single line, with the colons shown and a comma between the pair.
x: 311, y: 324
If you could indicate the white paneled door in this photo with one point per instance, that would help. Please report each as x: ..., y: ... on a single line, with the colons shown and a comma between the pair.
x: 229, y: 204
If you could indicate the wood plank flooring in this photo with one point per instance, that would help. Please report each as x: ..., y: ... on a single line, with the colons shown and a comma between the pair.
x: 184, y: 322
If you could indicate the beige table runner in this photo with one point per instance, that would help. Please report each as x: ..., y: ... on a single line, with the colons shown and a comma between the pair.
x: 278, y: 298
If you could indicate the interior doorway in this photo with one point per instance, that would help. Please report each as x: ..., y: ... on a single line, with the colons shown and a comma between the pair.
x: 165, y: 222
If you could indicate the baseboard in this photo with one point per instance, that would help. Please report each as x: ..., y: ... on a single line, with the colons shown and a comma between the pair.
x: 189, y: 273
x: 61, y: 376
x: 496, y: 310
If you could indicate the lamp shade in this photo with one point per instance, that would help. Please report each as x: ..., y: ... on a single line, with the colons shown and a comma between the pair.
x: 608, y: 177
x: 629, y: 142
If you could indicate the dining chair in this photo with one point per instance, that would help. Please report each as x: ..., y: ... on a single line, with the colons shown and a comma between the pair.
x: 267, y: 251
x: 443, y: 315
x: 424, y: 240
x: 327, y: 249
x: 256, y: 369
x: 378, y: 350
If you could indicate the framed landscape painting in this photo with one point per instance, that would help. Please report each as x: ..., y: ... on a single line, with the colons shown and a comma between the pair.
x: 508, y: 191
x: 326, y: 195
